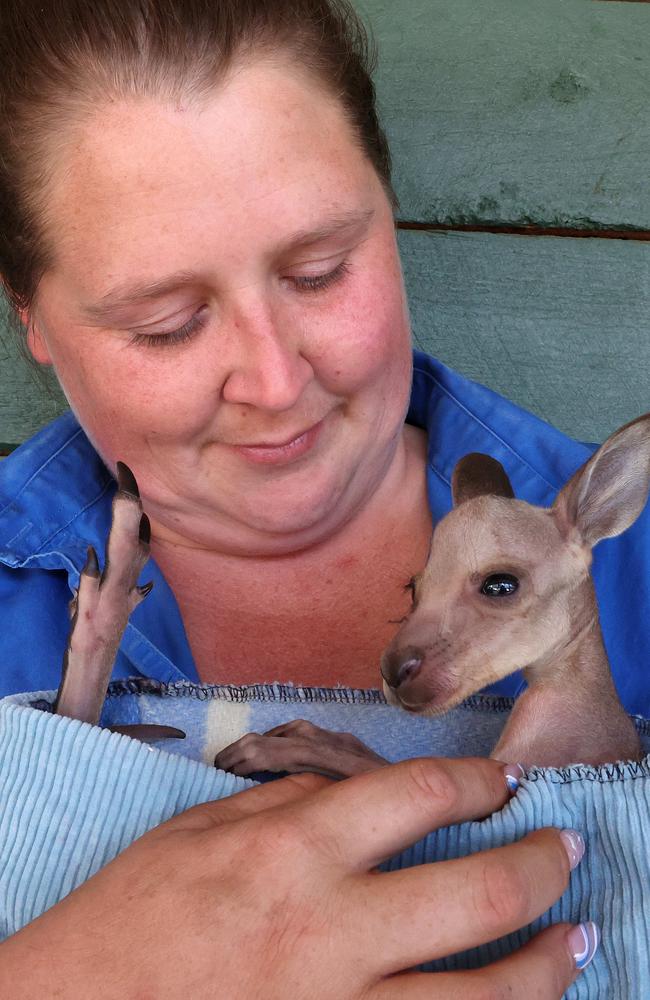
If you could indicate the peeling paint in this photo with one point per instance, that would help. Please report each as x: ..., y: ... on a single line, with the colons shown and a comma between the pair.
x: 569, y: 87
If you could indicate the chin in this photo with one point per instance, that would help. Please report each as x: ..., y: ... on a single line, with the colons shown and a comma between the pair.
x: 286, y: 531
x: 297, y: 507
x: 435, y: 704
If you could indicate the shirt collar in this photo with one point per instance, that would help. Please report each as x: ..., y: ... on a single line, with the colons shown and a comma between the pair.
x: 55, y: 499
x: 462, y: 416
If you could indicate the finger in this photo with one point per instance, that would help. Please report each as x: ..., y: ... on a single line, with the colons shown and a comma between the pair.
x: 281, y: 793
x: 370, y: 817
x: 454, y: 905
x: 253, y: 752
x: 297, y: 727
x: 337, y: 755
x: 542, y: 970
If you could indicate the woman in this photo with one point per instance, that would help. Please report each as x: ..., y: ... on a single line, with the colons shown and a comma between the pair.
x: 199, y: 238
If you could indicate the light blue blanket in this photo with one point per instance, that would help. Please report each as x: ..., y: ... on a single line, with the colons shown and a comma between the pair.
x: 72, y: 796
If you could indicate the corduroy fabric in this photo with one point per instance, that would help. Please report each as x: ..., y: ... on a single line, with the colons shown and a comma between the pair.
x: 72, y: 796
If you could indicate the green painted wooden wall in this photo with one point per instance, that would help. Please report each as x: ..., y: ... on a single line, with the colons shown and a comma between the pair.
x: 521, y: 141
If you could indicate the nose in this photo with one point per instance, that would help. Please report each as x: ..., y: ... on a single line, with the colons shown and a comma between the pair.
x: 266, y: 367
x: 401, y: 665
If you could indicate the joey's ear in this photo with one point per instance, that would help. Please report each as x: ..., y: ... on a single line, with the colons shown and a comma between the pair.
x: 475, y: 475
x: 607, y: 494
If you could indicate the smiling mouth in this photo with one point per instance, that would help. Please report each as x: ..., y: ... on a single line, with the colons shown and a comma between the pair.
x: 272, y: 454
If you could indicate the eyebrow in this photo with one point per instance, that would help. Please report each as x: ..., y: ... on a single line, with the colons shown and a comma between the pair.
x: 128, y: 294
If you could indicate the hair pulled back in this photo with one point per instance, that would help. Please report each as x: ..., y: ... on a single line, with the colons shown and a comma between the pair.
x: 61, y: 59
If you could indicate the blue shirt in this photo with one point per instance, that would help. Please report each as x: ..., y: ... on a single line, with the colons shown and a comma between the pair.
x: 55, y: 500
x: 73, y: 796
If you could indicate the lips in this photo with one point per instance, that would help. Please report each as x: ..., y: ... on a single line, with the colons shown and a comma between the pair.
x: 278, y: 444
x: 288, y: 450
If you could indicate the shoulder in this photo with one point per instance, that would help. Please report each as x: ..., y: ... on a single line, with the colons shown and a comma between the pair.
x: 55, y: 496
x: 34, y: 629
x: 462, y: 416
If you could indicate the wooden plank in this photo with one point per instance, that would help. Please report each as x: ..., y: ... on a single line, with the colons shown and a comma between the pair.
x: 506, y: 112
x: 558, y: 325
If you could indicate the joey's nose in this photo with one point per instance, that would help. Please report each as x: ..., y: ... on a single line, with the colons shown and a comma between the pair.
x: 401, y: 665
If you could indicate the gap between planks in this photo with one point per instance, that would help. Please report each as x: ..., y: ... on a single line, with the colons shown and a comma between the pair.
x: 641, y: 235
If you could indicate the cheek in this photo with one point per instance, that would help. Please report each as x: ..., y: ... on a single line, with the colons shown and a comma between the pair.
x: 367, y: 341
x: 120, y: 396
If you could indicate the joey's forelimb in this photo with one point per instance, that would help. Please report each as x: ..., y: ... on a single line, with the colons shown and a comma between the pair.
x: 100, y: 610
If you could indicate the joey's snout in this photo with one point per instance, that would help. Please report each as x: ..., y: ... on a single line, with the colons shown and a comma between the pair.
x: 401, y: 665
x: 419, y: 678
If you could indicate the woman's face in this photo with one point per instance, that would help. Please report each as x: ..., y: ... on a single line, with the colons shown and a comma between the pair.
x: 227, y: 283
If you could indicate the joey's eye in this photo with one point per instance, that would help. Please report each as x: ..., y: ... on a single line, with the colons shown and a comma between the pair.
x: 499, y: 585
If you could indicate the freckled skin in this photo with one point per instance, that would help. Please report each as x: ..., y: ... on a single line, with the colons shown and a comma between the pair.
x: 146, y: 192
x: 143, y: 190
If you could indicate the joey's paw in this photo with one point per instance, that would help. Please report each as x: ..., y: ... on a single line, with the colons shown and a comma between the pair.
x: 298, y: 746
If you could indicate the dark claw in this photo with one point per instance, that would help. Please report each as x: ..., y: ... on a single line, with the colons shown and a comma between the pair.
x: 126, y: 480
x: 145, y: 589
x: 145, y: 529
x: 92, y: 565
x: 148, y: 733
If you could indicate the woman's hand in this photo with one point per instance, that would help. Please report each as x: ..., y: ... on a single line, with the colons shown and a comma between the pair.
x: 272, y: 893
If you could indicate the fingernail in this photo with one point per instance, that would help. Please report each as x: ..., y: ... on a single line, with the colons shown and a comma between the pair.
x: 583, y: 942
x: 574, y: 846
x: 513, y: 775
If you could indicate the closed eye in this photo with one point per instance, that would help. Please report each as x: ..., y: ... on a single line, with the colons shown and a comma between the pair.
x: 319, y: 282
x: 304, y: 283
x: 181, y: 335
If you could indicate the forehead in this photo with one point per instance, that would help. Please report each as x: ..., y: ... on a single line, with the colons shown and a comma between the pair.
x: 268, y: 148
x: 488, y: 528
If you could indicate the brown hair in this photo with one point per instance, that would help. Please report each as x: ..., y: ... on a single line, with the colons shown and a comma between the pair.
x: 60, y: 59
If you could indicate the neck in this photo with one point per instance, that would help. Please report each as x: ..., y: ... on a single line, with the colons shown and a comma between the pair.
x: 579, y: 652
x: 317, y: 616
x: 570, y: 711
